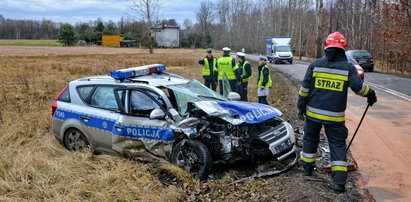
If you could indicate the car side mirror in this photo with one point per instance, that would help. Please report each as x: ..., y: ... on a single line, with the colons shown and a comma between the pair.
x: 293, y: 51
x: 157, y: 114
x: 233, y: 96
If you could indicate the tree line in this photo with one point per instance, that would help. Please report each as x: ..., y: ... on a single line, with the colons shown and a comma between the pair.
x: 381, y: 26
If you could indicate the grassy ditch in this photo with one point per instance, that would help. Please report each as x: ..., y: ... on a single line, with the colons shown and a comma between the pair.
x: 34, y: 166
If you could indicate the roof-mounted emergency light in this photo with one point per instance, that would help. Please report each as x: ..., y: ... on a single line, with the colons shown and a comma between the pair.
x: 137, y: 71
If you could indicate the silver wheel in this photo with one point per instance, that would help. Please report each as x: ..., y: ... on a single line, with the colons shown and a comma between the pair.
x: 74, y: 140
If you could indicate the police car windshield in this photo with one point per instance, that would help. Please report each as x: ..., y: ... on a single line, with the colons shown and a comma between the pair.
x: 192, y: 91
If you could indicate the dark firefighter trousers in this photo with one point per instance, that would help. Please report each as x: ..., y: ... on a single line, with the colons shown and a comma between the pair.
x: 336, y: 135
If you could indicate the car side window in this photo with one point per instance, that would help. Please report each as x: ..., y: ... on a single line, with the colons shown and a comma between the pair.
x: 65, y: 96
x: 84, y: 91
x: 142, y: 104
x: 103, y: 97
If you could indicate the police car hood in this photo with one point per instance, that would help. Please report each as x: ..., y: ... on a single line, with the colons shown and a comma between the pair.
x: 238, y: 112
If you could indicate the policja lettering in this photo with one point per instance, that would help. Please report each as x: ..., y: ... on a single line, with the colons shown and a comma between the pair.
x: 143, y: 132
x: 258, y: 113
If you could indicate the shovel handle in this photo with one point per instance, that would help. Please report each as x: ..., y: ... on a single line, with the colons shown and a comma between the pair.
x: 356, y: 130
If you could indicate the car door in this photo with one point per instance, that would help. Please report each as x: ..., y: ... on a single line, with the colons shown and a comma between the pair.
x: 135, y: 134
x: 101, y: 114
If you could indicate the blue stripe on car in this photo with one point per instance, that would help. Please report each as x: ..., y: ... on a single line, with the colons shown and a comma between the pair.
x: 107, y: 125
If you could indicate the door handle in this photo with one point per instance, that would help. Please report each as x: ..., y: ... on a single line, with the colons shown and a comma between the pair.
x: 119, y: 127
x: 85, y: 118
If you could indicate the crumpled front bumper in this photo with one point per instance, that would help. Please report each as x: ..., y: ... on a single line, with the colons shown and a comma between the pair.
x: 281, y: 140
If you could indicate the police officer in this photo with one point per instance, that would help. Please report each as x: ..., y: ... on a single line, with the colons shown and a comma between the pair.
x: 209, y: 69
x: 322, y: 100
x: 264, y: 80
x: 245, y: 71
x: 226, y: 65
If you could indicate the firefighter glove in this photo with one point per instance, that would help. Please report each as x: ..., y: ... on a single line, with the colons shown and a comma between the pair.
x: 371, y: 97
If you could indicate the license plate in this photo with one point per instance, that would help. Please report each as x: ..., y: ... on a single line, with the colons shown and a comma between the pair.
x: 362, y: 61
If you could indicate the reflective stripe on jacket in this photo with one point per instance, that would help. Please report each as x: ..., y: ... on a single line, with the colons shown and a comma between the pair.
x: 261, y: 78
x: 323, y: 91
x: 206, y: 66
x: 225, y: 65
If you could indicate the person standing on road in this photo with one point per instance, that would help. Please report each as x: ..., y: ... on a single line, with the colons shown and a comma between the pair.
x: 226, y: 65
x: 244, y: 68
x: 264, y: 80
x: 209, y: 69
x: 322, y: 102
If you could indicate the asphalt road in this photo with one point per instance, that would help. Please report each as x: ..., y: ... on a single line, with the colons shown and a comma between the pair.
x: 382, y: 146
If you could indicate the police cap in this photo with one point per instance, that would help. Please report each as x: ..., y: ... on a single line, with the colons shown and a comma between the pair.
x: 263, y: 58
x: 226, y: 49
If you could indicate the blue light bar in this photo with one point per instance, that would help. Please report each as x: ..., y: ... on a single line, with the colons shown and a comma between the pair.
x: 138, y: 71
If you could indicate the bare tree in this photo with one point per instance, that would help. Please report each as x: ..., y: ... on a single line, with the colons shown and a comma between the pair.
x: 146, y: 11
x: 318, y: 30
x: 205, y: 17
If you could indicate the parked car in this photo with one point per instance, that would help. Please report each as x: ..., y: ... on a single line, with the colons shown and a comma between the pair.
x: 360, y: 70
x: 145, y: 113
x: 363, y: 58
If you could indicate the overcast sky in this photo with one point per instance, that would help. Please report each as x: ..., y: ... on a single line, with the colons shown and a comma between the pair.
x: 73, y: 11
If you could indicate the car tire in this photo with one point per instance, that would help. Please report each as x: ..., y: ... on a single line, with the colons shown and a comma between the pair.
x: 290, y: 61
x: 75, y: 140
x: 193, y: 156
x: 371, y: 69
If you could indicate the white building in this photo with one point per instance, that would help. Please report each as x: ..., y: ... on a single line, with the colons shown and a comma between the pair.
x: 166, y: 36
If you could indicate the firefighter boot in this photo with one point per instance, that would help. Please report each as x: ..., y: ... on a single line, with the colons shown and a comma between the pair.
x: 339, y: 187
x: 308, y: 168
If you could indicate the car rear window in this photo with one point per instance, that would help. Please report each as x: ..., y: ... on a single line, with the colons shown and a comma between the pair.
x: 361, y: 54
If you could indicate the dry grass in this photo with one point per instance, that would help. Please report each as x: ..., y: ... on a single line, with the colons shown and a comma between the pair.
x: 34, y: 166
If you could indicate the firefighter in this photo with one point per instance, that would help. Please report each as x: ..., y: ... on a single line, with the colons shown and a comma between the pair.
x: 244, y: 68
x: 322, y: 102
x: 227, y: 65
x: 264, y: 80
x: 209, y: 69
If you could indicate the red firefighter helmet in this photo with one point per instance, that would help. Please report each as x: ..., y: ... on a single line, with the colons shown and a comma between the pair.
x: 336, y: 40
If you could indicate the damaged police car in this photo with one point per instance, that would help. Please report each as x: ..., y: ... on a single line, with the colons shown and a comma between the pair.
x: 146, y: 113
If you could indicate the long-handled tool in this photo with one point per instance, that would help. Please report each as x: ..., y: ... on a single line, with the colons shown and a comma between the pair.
x: 352, y: 166
x: 355, y: 133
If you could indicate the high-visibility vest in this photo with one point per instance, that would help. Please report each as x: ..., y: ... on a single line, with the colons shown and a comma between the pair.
x: 206, y: 66
x: 244, y: 72
x: 225, y: 65
x: 260, y: 81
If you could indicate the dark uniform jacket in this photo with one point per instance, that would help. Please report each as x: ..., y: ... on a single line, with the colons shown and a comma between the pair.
x: 323, y: 92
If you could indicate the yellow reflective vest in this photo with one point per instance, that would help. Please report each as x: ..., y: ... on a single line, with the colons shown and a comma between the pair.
x: 225, y: 65
x: 206, y: 66
x: 261, y: 78
x: 244, y: 72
